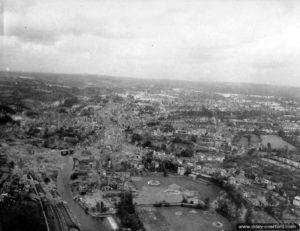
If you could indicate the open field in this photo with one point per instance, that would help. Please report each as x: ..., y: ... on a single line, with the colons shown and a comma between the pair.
x: 276, y: 142
x: 189, y: 221
x: 205, y: 190
x: 178, y: 218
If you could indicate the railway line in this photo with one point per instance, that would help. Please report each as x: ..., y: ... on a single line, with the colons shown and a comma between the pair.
x: 61, y: 218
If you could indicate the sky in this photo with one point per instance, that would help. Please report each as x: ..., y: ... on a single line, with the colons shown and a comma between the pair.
x: 207, y: 40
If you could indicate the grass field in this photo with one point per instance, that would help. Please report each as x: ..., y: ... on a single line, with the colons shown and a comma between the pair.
x: 167, y: 218
x: 189, y: 221
x: 276, y: 142
x: 205, y: 190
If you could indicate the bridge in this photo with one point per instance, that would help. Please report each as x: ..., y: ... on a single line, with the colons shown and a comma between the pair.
x: 103, y: 215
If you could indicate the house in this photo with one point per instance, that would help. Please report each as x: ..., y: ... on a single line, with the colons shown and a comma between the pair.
x: 296, y: 201
x: 181, y: 170
x: 270, y: 186
x: 193, y: 176
x: 83, y: 188
x: 194, y: 200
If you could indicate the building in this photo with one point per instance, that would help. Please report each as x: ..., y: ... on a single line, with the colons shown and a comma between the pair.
x: 110, y: 224
x: 181, y: 170
x: 296, y: 201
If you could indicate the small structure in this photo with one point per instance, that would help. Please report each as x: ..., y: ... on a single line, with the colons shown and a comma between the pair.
x: 193, y: 176
x: 178, y: 213
x: 66, y: 152
x: 172, y: 191
x: 153, y: 182
x: 110, y: 224
x: 296, y: 201
x: 217, y: 224
x: 174, y: 186
x: 193, y: 211
x: 181, y: 170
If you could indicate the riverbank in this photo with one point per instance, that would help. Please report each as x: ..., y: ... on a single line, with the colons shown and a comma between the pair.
x: 86, y: 222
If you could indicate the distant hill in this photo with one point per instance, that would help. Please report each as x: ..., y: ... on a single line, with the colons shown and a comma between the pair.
x: 90, y: 81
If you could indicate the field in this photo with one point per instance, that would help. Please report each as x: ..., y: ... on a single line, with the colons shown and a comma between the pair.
x: 176, y: 218
x: 190, y: 221
x: 276, y: 142
x: 205, y: 190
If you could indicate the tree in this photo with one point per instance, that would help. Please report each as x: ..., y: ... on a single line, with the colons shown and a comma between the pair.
x: 184, y: 200
x: 147, y: 143
x: 127, y: 214
x: 11, y: 164
x: 249, y: 215
x: 269, y: 146
x: 188, y: 171
x: 165, y: 171
x: 98, y: 207
x: 194, y: 138
x: 207, y: 202
x: 177, y: 140
x: 136, y: 138
x: 269, y: 198
x: 187, y: 152
x: 163, y: 147
x: 281, y: 133
x: 223, y: 209
x: 74, y: 176
x: 13, y: 217
x: 70, y: 102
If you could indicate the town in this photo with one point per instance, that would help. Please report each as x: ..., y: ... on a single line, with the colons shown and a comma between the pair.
x: 102, y: 153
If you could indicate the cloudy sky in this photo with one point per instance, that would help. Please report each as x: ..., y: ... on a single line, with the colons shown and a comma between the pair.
x: 218, y: 40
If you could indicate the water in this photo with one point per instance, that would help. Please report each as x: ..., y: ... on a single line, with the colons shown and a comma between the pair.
x: 86, y: 222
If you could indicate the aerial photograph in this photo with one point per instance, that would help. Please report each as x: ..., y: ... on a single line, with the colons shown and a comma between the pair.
x: 149, y: 115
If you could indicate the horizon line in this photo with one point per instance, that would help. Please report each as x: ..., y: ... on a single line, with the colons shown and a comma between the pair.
x: 155, y: 79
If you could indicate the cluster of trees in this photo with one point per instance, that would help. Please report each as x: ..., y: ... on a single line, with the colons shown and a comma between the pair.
x: 31, y: 114
x: 117, y: 99
x: 147, y: 110
x: 165, y: 166
x: 230, y: 204
x: 227, y: 209
x: 14, y: 218
x: 204, y: 112
x: 187, y: 152
x: 4, y: 119
x: 136, y: 138
x: 167, y: 128
x: 6, y: 109
x: 127, y: 214
x: 69, y: 102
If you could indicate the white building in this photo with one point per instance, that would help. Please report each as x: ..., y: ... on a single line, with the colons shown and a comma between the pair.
x: 296, y: 201
x: 181, y: 170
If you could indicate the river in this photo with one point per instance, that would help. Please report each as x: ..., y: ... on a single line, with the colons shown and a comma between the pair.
x: 86, y: 222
